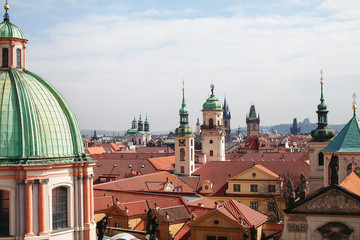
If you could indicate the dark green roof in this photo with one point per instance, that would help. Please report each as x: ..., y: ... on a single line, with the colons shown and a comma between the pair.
x: 212, y: 104
x: 348, y: 139
x: 35, y: 121
x: 9, y: 30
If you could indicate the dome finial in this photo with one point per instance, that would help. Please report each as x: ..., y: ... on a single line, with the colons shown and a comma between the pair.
x: 212, y: 89
x: 354, y: 103
x: 6, y: 7
x: 321, y: 82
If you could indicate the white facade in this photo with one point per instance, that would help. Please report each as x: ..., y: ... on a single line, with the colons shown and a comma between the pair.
x: 213, y: 135
x: 184, y: 155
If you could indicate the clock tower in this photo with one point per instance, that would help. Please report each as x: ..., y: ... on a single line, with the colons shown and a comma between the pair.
x: 184, y: 143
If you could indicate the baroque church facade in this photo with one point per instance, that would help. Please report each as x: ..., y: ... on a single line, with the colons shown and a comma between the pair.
x: 45, y: 177
x: 139, y: 133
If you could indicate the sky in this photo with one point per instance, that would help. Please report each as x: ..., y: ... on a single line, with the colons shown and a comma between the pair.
x: 115, y: 59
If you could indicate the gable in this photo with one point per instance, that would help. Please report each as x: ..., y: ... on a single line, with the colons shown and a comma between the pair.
x: 215, y: 219
x: 334, y: 201
x: 249, y: 174
x: 115, y: 210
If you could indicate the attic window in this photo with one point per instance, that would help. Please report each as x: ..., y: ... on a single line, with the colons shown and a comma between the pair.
x: 216, y: 222
x: 99, y: 165
x: 254, y: 175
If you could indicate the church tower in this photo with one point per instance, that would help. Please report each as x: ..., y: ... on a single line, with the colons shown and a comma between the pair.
x: 252, y: 122
x: 184, y: 143
x: 198, y: 127
x: 212, y: 130
x: 321, y: 137
x: 46, y: 184
x: 227, y: 117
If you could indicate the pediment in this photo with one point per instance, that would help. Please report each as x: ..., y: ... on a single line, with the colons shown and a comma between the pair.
x: 214, y: 219
x: 333, y: 201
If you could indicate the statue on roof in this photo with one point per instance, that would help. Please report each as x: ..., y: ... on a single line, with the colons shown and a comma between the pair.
x: 151, y: 226
x: 303, y: 184
x: 334, y: 168
x: 101, y: 227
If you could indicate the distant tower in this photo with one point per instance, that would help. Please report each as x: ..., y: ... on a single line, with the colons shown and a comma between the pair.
x: 184, y: 143
x: 227, y: 117
x: 140, y: 125
x: 212, y: 130
x: 252, y: 122
x: 198, y: 127
x: 321, y: 137
x: 295, y: 130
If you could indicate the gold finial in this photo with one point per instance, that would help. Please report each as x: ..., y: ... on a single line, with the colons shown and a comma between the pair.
x: 354, y: 101
x: 183, y: 88
x: 6, y: 6
x: 321, y: 78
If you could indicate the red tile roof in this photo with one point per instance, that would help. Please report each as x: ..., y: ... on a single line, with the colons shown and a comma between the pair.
x: 163, y: 163
x: 175, y: 213
x: 154, y: 182
x: 102, y: 203
x: 162, y: 200
x: 192, y: 181
x: 134, y: 208
x: 352, y: 183
x: 120, y: 168
x: 154, y: 150
x: 94, y: 150
x: 287, y: 164
x: 184, y: 233
x: 135, y: 155
x: 249, y: 216
x: 259, y: 166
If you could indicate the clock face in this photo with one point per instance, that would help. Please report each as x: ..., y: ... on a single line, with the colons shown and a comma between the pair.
x: 181, y: 142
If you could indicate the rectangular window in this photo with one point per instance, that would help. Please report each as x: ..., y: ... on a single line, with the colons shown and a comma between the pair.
x: 271, y: 206
x: 59, y: 207
x: 211, y: 153
x: 254, y: 188
x: 271, y: 188
x: 237, y: 188
x: 182, y: 169
x: 254, y: 205
x: 18, y: 58
x: 4, y: 213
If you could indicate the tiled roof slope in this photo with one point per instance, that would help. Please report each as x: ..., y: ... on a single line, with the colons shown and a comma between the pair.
x: 352, y: 183
x: 348, y: 139
x: 102, y: 203
x: 134, y: 208
x: 249, y: 216
x: 153, y: 182
x: 120, y: 168
x: 163, y: 163
x: 290, y: 165
x: 95, y: 150
x: 154, y: 150
x: 175, y: 213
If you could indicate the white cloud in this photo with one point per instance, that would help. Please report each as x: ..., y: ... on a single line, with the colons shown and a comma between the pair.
x: 112, y: 67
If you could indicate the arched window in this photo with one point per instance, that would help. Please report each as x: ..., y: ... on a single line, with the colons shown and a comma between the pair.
x: 4, y: 213
x: 18, y: 58
x: 211, y: 123
x: 182, y: 154
x: 321, y: 159
x: 349, y: 169
x: 5, y: 57
x: 59, y: 208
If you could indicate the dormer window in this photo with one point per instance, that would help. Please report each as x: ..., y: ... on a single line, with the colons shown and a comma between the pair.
x: 18, y: 58
x: 5, y: 57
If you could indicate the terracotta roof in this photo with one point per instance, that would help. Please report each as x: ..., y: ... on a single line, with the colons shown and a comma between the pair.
x: 252, y: 143
x: 184, y: 233
x: 249, y: 216
x: 136, y: 155
x: 352, y: 183
x: 140, y: 226
x: 259, y: 166
x: 273, y: 226
x: 287, y: 164
x: 94, y: 150
x: 161, y: 200
x: 134, y: 208
x: 154, y: 182
x: 154, y: 150
x: 192, y: 181
x: 175, y: 213
x: 102, y: 203
x: 108, y: 147
x: 163, y: 163
x: 119, y: 169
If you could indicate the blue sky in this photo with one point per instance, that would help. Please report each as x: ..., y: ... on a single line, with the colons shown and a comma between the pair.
x: 114, y: 59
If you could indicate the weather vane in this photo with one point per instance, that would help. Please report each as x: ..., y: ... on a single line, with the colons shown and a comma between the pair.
x: 354, y: 101
x: 212, y: 89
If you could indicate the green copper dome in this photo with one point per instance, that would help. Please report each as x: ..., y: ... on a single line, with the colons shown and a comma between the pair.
x: 9, y: 30
x: 212, y: 103
x: 37, y: 126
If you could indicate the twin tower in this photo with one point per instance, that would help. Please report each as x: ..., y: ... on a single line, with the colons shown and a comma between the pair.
x: 212, y: 136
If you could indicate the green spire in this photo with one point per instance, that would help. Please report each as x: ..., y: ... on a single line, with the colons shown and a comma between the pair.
x: 322, y: 133
x: 184, y: 129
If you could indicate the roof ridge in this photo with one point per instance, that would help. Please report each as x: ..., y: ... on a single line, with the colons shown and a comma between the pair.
x: 239, y: 211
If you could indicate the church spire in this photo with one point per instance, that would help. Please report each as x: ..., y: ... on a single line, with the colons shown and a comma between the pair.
x: 184, y: 128
x: 322, y: 132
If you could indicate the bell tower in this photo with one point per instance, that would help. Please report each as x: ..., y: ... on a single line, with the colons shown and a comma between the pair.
x: 184, y: 143
x: 212, y: 130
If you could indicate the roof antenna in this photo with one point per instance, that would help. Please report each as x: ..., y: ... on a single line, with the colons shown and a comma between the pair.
x: 6, y: 7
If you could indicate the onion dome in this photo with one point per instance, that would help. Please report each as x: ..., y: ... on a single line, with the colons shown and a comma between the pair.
x: 322, y: 133
x: 212, y: 103
x: 9, y: 30
x: 184, y: 129
x: 37, y: 125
